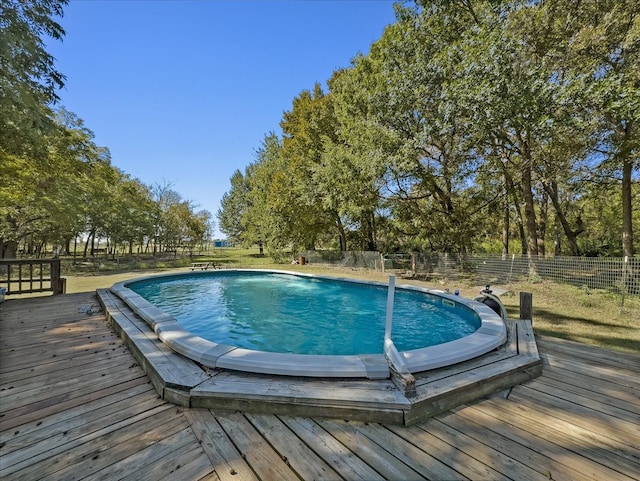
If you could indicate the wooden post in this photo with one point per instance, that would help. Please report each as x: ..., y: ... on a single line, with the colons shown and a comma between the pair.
x: 55, y: 276
x: 526, y: 306
x: 405, y: 382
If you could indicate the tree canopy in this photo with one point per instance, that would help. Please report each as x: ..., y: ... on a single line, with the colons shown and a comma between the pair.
x: 468, y: 124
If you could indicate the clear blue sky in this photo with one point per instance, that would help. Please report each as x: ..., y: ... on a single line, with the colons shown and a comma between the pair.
x: 183, y: 92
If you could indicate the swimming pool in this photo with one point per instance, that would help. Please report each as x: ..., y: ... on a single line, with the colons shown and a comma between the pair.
x: 469, y: 330
x: 273, y: 312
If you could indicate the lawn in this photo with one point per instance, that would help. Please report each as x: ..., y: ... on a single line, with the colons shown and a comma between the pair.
x: 578, y: 314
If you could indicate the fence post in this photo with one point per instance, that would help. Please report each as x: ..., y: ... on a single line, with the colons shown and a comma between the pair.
x: 623, y: 288
x: 526, y: 306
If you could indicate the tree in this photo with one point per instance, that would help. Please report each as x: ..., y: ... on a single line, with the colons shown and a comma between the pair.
x: 605, y: 53
x: 130, y: 210
x: 28, y: 83
x: 592, y: 51
x: 28, y: 77
x: 396, y: 106
x: 42, y: 200
x: 245, y: 214
x: 275, y: 217
x: 307, y: 127
x: 233, y: 207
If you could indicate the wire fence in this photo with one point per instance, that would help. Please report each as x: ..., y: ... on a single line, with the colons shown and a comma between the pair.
x: 614, y: 274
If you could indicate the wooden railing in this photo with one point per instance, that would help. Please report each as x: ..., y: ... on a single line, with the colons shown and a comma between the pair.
x: 21, y: 276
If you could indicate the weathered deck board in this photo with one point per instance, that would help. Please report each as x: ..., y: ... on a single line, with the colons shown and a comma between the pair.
x: 621, y: 375
x: 466, y: 465
x: 595, y: 354
x: 90, y: 412
x: 303, y: 460
x: 264, y: 461
x: 221, y: 452
x: 521, y: 443
x: 364, y: 445
x: 564, y: 452
x: 331, y: 450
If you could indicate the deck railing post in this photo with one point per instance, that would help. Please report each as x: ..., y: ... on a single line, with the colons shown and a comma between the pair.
x: 55, y: 276
x: 526, y: 306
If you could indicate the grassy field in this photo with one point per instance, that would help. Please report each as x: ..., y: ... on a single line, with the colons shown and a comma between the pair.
x: 578, y: 314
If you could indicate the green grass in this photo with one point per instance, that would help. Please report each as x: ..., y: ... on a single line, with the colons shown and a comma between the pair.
x: 570, y: 312
x: 587, y: 316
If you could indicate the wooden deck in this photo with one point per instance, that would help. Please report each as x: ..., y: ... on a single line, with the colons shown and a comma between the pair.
x: 74, y: 404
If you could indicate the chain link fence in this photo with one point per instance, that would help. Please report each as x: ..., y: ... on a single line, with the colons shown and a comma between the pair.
x: 614, y: 274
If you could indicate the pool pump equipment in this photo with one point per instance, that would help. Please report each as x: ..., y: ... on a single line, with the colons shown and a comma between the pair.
x: 488, y: 298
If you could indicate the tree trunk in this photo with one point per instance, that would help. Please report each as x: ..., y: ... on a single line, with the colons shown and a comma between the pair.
x: 557, y: 243
x: 368, y: 223
x: 520, y: 223
x: 542, y: 224
x: 86, y: 244
x: 552, y: 190
x: 9, y: 249
x: 526, y: 169
x: 513, y: 194
x: 506, y: 221
x: 342, y: 235
x: 529, y: 211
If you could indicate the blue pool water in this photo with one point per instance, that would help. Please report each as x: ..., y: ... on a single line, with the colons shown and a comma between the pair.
x: 285, y: 313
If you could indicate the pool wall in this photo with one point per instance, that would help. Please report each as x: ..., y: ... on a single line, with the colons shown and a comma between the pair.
x: 491, y: 334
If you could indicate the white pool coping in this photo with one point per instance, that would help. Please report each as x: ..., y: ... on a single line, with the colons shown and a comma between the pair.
x: 491, y: 335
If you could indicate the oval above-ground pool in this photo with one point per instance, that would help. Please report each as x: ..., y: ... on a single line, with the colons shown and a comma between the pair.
x: 488, y: 331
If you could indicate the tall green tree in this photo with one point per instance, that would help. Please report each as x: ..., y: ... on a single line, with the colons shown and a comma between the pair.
x: 464, y: 114
x: 405, y: 117
x: 251, y: 211
x: 277, y: 218
x: 307, y: 127
x: 130, y: 209
x: 28, y: 84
